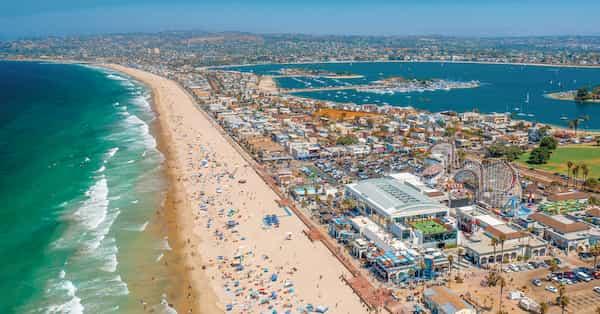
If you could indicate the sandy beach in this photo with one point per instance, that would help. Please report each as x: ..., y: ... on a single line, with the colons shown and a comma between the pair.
x: 267, y: 84
x: 216, y: 207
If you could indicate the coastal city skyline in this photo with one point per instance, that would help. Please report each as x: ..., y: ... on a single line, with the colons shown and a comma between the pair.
x: 305, y: 157
x: 465, y: 18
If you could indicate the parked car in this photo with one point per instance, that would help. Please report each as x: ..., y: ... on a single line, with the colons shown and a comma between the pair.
x: 583, y: 276
x: 536, y: 282
x: 597, y: 289
x: 551, y: 289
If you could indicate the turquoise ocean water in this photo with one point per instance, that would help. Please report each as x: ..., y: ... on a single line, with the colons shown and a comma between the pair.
x: 80, y: 180
x: 517, y: 89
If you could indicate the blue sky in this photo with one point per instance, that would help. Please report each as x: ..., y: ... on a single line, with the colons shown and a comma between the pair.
x: 369, y: 17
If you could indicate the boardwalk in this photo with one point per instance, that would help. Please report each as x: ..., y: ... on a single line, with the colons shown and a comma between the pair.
x: 369, y: 294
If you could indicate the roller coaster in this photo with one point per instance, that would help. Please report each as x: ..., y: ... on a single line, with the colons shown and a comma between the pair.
x: 495, y: 181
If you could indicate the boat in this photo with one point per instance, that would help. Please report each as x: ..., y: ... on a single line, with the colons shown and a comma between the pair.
x: 564, y: 117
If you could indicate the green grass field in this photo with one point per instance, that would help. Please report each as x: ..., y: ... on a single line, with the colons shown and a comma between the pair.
x: 429, y: 227
x: 589, y: 154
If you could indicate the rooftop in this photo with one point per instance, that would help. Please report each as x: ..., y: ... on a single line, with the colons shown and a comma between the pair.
x: 559, y: 223
x: 393, y: 197
x: 429, y: 226
x: 447, y: 299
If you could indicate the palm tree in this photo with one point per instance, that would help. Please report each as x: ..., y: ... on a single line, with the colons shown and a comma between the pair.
x: 563, y: 300
x: 494, y: 245
x: 502, y: 239
x: 450, y: 261
x: 569, y: 166
x: 543, y: 308
x: 553, y: 266
x: 502, y: 283
x: 574, y: 124
x: 576, y: 173
x: 585, y: 171
x: 595, y: 250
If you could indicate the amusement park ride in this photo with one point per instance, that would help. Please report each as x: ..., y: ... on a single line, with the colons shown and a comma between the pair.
x: 495, y: 182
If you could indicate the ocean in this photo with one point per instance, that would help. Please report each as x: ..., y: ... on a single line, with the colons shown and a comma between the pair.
x: 81, y: 178
x: 518, y: 89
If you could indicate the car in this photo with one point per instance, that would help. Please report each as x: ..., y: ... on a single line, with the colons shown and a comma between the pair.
x: 597, y: 289
x: 551, y: 289
x: 564, y: 281
x: 536, y: 282
x: 596, y: 274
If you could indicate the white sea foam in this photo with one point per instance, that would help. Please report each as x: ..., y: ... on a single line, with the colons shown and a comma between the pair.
x: 134, y: 122
x: 164, y: 245
x: 111, y: 152
x: 102, y: 168
x: 93, y: 210
x: 116, y: 77
x: 138, y: 228
x: 73, y: 305
x: 142, y: 101
x: 110, y: 264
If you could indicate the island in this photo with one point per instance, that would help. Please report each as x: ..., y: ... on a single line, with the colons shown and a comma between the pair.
x: 580, y: 95
x: 393, y: 85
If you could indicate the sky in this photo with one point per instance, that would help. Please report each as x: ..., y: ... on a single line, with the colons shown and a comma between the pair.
x: 29, y: 18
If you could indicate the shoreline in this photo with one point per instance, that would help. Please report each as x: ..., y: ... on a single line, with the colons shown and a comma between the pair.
x: 172, y: 208
x: 407, y: 61
x: 569, y: 96
x: 206, y: 253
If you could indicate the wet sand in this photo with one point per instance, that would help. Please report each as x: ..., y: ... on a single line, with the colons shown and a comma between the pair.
x: 248, y: 266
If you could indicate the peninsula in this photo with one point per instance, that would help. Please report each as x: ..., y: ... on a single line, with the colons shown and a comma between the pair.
x: 580, y: 95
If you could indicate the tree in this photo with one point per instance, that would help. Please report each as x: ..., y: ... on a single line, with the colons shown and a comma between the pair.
x: 450, y: 261
x: 582, y: 94
x: 346, y: 140
x: 549, y: 142
x: 598, y: 140
x: 585, y: 171
x: 595, y: 250
x: 553, y: 266
x: 569, y: 166
x: 543, y: 308
x: 494, y: 243
x: 501, y: 283
x: 539, y: 156
x: 502, y: 240
x: 562, y: 300
x: 576, y: 173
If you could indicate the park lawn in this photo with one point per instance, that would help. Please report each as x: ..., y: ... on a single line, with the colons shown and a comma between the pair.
x: 588, y: 154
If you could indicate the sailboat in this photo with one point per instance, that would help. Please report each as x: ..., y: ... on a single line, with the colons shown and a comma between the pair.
x: 527, y: 102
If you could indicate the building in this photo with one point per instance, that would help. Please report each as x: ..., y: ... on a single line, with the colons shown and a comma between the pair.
x: 511, y: 244
x: 563, y: 232
x: 401, y: 208
x: 442, y: 300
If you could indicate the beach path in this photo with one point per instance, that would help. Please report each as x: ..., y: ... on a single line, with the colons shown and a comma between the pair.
x: 229, y: 230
